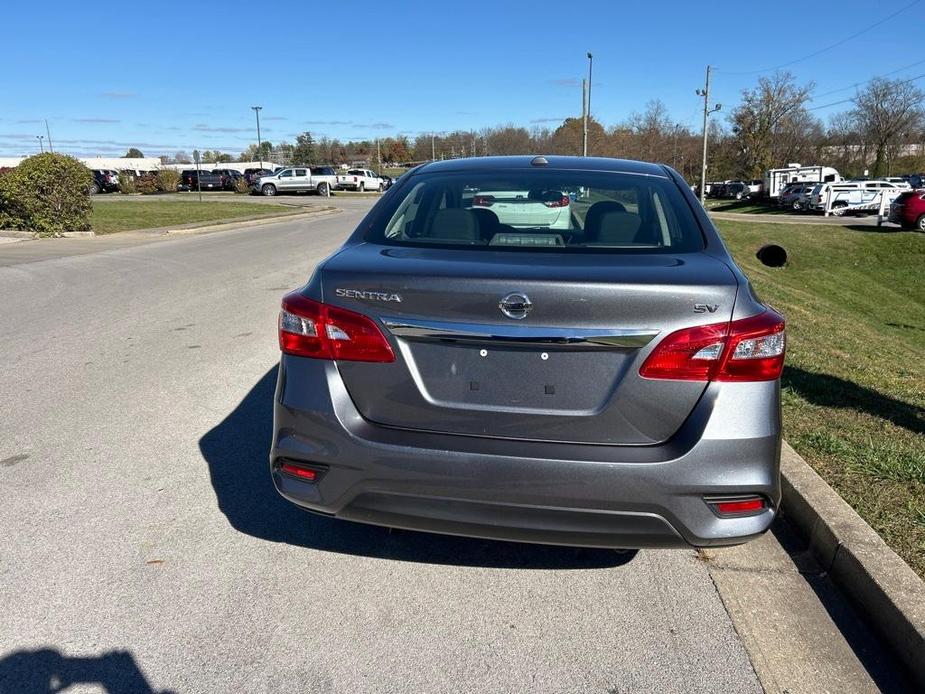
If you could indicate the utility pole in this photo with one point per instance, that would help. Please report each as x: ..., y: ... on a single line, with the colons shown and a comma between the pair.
x: 41, y: 146
x: 705, y: 93
x: 433, y: 147
x: 259, y: 144
x: 584, y: 117
x: 378, y: 157
x: 586, y: 105
x: 48, y: 132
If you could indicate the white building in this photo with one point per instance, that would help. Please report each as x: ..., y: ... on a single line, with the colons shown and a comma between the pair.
x: 148, y: 164
x: 115, y: 163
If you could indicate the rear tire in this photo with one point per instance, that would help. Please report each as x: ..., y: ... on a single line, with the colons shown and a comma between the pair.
x: 268, y: 189
x: 94, y: 189
x: 920, y: 223
x: 362, y: 187
x: 381, y: 187
x: 323, y: 190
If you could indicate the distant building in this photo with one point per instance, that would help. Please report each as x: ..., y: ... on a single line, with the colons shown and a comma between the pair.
x: 148, y: 164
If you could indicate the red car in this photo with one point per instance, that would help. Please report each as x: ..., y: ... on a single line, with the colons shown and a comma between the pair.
x: 908, y: 210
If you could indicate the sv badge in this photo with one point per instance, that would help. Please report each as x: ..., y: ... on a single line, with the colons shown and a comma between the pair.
x: 705, y: 308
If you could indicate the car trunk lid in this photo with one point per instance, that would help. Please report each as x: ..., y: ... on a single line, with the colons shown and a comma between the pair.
x: 567, y: 370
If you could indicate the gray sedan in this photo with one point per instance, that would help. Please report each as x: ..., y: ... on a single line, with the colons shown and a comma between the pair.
x: 473, y: 362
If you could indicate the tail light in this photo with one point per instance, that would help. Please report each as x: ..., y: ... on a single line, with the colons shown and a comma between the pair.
x: 561, y: 202
x: 483, y: 201
x: 750, y: 349
x: 311, y: 329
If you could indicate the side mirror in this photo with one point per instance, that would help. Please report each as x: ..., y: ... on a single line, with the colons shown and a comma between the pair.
x: 772, y: 255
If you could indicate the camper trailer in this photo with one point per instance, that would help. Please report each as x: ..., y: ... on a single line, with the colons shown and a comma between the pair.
x: 776, y: 179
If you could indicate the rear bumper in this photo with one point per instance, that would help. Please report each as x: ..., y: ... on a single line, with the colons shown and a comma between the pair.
x: 553, y: 493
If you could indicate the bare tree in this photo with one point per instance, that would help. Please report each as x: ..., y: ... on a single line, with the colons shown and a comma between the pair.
x: 885, y: 112
x: 772, y: 126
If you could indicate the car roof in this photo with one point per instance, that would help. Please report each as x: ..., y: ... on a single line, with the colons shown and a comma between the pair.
x: 554, y: 162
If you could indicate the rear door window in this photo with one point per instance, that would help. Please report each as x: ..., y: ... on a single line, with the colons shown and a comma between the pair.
x: 563, y: 211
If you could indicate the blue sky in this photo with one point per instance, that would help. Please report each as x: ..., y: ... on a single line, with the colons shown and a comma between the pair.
x: 112, y: 75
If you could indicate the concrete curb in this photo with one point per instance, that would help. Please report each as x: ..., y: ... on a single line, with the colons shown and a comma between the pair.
x: 240, y: 223
x: 883, y: 588
x: 192, y: 228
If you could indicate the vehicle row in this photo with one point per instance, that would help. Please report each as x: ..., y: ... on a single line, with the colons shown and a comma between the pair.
x: 842, y: 197
x: 322, y: 180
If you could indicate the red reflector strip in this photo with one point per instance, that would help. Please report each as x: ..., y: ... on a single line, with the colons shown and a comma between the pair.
x: 741, y: 506
x: 300, y: 472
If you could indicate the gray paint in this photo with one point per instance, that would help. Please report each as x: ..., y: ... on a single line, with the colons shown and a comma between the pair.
x: 495, y: 435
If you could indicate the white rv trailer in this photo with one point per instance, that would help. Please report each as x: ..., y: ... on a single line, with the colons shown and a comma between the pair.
x: 776, y: 179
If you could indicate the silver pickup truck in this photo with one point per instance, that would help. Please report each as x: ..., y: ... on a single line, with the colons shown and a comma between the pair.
x: 298, y: 179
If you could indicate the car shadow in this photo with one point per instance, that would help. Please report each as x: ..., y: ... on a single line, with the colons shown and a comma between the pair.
x: 236, y: 451
x: 832, y: 391
x: 874, y: 229
x: 47, y: 670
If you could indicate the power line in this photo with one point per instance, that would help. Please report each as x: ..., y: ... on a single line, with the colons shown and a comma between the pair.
x: 827, y: 48
x: 858, y: 84
x: 845, y: 101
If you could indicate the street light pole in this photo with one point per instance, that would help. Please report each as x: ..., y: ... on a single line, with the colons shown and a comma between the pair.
x: 41, y: 146
x: 705, y: 93
x: 259, y: 144
x: 587, y: 107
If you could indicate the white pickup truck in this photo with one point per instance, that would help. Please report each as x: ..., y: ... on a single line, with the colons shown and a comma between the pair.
x: 360, y: 179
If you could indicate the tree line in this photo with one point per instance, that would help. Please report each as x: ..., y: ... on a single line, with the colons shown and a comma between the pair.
x: 882, y: 132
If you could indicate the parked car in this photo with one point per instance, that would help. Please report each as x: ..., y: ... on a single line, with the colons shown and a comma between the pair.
x: 251, y: 175
x: 613, y: 383
x: 738, y: 190
x: 200, y: 179
x: 908, y: 210
x: 795, y: 195
x: 229, y: 177
x: 360, y: 179
x: 104, y: 181
x: 898, y: 181
x: 297, y: 179
x: 387, y: 181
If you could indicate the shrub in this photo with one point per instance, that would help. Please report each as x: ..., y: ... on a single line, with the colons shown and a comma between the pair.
x: 167, y: 180
x: 47, y: 193
x: 126, y: 183
x: 241, y: 186
x: 147, y: 185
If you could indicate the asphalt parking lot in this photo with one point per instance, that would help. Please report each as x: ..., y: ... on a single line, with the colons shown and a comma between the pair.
x: 144, y: 544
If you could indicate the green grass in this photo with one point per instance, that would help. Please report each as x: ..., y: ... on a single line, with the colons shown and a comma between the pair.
x: 854, y: 384
x: 116, y: 215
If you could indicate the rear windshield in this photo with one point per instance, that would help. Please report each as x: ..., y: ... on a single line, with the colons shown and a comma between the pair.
x: 582, y: 211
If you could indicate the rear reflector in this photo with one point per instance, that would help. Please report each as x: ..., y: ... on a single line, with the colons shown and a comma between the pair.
x: 303, y: 473
x: 738, y: 507
x: 309, y: 328
x: 750, y: 349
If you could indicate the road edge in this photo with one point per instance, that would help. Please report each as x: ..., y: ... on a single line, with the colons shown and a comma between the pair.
x: 886, y: 591
x: 191, y: 228
x: 240, y: 223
